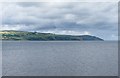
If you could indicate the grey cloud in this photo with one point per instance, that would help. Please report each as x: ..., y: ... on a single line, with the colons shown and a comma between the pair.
x: 29, y: 4
x: 97, y: 18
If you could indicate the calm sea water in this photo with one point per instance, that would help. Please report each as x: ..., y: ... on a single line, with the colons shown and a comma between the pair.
x: 60, y: 58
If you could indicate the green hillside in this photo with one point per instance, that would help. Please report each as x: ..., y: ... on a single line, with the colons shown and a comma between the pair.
x: 36, y: 36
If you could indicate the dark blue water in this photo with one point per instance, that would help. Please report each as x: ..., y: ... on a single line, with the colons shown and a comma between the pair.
x: 60, y: 58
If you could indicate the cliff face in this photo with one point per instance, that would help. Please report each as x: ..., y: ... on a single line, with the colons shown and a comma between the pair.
x: 22, y: 35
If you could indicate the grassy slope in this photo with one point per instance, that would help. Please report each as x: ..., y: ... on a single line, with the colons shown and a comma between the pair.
x: 23, y: 35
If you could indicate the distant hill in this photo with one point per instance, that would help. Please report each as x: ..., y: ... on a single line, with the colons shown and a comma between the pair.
x: 36, y: 36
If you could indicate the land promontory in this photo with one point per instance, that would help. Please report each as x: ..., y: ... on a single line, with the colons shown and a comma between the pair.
x: 37, y: 36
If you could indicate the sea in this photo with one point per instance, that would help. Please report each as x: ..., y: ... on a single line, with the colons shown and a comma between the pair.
x: 59, y: 58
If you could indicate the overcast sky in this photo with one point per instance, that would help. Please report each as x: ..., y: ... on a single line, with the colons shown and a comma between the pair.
x: 74, y: 18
